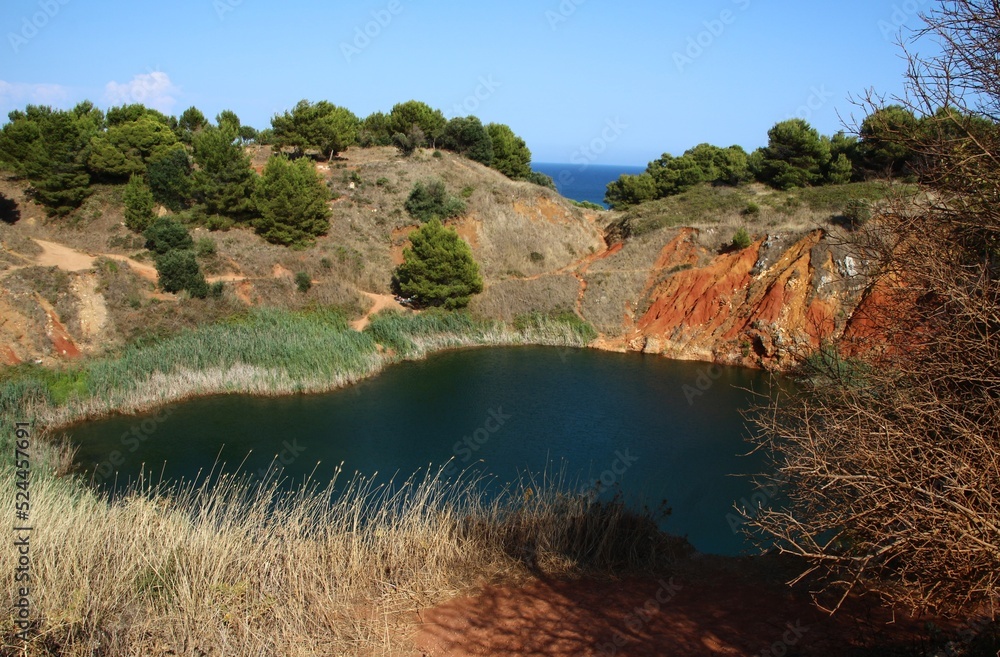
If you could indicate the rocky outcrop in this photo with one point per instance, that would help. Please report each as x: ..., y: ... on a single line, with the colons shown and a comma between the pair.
x: 766, y: 305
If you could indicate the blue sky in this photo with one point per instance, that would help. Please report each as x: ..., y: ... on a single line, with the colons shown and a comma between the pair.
x: 581, y: 80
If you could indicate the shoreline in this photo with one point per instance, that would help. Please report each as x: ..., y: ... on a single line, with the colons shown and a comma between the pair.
x: 268, y: 384
x: 385, y: 361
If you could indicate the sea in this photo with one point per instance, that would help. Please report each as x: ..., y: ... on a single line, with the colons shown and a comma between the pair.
x: 584, y: 182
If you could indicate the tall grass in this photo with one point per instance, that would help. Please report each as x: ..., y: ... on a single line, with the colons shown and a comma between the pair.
x: 262, y: 352
x: 230, y: 567
x: 226, y: 567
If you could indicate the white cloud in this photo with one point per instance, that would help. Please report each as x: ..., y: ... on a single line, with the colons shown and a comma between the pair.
x: 151, y: 89
x: 16, y: 93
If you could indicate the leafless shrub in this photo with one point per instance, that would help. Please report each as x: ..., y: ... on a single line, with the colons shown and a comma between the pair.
x: 892, y: 454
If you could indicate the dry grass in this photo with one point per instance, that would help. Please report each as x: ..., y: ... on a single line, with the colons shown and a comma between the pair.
x: 233, y: 566
x: 505, y: 300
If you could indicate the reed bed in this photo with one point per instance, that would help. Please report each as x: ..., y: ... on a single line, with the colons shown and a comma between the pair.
x: 265, y: 352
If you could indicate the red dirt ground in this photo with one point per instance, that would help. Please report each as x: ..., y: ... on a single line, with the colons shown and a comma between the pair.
x: 736, y: 607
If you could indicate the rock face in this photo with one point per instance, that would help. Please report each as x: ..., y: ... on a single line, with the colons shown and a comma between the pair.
x: 767, y: 305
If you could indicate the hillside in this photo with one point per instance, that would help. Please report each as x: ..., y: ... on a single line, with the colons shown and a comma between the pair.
x: 658, y: 279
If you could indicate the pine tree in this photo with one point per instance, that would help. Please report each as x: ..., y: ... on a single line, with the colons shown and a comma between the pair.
x: 224, y: 182
x: 438, y: 269
x: 139, y: 204
x: 292, y: 202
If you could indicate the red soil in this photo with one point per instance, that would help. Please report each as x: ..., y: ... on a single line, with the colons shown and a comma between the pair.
x: 732, y: 609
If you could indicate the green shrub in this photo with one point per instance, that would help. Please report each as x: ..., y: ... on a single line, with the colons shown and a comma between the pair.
x: 431, y: 200
x: 216, y: 289
x: 858, y: 212
x: 167, y: 234
x: 437, y: 154
x: 205, y: 247
x: 751, y: 210
x: 325, y: 263
x: 303, y: 281
x: 218, y: 222
x: 178, y: 270
x: 382, y: 182
x: 468, y: 191
x: 139, y: 204
x: 741, y: 239
x: 536, y: 257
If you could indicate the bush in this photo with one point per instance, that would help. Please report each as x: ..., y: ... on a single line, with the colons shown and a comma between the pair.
x: 751, y: 210
x: 205, y: 247
x: 139, y: 204
x: 536, y: 257
x: 218, y: 222
x: 303, y: 281
x: 438, y: 270
x: 741, y: 239
x: 216, y: 289
x: 858, y: 212
x: 431, y: 200
x: 167, y: 234
x: 178, y: 270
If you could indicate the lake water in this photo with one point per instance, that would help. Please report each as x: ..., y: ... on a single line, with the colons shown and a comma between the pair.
x: 586, y: 182
x: 656, y: 428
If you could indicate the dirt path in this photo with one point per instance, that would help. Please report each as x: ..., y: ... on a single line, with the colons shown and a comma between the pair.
x: 380, y: 302
x: 68, y: 259
x: 711, y: 609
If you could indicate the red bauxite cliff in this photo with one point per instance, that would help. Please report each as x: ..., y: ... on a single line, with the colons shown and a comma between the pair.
x: 767, y: 305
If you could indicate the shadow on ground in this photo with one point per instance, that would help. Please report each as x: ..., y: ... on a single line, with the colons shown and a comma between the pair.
x: 708, y: 607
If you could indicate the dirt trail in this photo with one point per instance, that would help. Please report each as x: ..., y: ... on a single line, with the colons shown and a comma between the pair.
x: 69, y: 259
x: 380, y: 302
x: 734, y: 609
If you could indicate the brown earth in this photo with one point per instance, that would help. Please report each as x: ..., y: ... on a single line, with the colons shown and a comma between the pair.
x: 380, y: 302
x: 709, y: 606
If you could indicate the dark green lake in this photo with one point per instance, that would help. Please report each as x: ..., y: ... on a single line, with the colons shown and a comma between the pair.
x: 656, y: 428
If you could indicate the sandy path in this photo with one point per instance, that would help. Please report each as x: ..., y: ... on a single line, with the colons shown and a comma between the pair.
x: 380, y: 302
x: 63, y: 257
x: 68, y: 259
